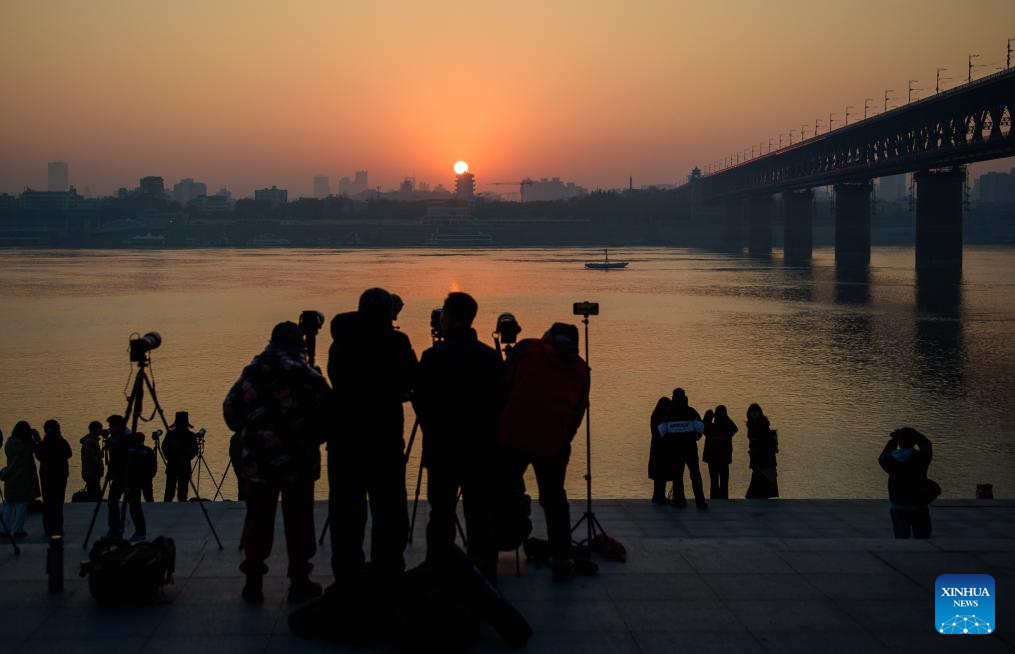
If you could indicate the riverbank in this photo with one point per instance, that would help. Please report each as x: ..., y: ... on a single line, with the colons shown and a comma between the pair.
x: 744, y: 576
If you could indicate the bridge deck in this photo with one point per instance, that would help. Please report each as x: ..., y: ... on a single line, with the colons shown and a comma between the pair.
x: 781, y: 576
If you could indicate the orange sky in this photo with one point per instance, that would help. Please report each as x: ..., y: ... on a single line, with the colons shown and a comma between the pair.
x: 246, y: 93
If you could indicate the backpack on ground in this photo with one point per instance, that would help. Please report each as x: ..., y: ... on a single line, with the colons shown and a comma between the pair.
x: 119, y: 572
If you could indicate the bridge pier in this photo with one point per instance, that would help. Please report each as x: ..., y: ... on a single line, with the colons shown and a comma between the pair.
x: 733, y: 225
x: 798, y: 214
x: 939, y: 217
x: 759, y: 237
x: 853, y: 223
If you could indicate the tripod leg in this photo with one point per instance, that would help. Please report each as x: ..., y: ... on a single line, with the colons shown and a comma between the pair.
x: 204, y: 510
x: 10, y: 536
x: 415, y: 502
x: 95, y: 513
x: 218, y: 487
x: 207, y: 468
x: 324, y: 530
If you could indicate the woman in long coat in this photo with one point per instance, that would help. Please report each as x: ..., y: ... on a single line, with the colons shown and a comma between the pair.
x: 662, y: 455
x: 21, y: 482
x: 764, y: 445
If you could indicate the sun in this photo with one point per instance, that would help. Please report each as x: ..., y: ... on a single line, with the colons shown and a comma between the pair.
x: 461, y: 167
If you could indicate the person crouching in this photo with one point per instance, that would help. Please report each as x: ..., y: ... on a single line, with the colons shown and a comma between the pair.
x: 547, y: 393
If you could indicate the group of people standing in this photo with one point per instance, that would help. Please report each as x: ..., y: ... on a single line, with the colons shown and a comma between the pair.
x: 483, y: 420
x: 676, y: 427
x: 116, y: 453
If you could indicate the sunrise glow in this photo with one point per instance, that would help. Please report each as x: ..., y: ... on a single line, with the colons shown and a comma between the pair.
x: 461, y: 167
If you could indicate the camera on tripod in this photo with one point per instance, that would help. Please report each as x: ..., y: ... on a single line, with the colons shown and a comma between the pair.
x: 586, y: 309
x: 507, y: 329
x: 310, y: 323
x: 142, y: 345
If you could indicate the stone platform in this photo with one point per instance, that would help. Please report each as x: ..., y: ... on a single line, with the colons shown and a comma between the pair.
x: 745, y: 576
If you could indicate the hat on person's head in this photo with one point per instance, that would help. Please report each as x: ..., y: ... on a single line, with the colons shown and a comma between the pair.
x: 287, y: 335
x: 182, y: 419
x: 564, y: 330
x: 376, y: 305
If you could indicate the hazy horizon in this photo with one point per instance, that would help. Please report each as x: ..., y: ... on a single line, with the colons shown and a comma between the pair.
x: 246, y: 95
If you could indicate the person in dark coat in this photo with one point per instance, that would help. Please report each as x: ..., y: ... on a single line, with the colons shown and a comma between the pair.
x: 684, y: 429
x: 906, y: 458
x: 280, y: 405
x: 21, y: 484
x: 179, y: 448
x: 92, y: 466
x: 547, y: 393
x: 763, y: 445
x: 458, y: 399
x: 145, y: 465
x: 53, y: 454
x: 124, y: 478
x: 371, y: 366
x: 718, y: 451
x: 662, y: 457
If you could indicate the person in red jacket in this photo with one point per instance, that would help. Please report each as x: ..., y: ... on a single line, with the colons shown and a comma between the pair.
x: 547, y: 393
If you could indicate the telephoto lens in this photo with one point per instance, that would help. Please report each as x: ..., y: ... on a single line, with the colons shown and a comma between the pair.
x: 142, y: 345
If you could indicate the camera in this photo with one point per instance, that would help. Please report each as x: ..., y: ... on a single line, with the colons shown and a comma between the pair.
x: 586, y: 309
x: 311, y: 322
x: 507, y: 329
x: 142, y: 345
x: 435, y: 324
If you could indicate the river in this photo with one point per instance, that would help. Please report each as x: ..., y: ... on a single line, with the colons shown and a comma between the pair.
x: 836, y: 358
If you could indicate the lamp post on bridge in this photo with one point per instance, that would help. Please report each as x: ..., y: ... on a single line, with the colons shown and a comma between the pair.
x: 866, y: 106
x: 802, y: 128
x: 780, y: 140
x: 969, y: 78
x: 937, y: 81
x: 817, y: 123
x: 909, y: 98
x: 887, y: 91
x: 1007, y: 64
x: 769, y: 145
x: 848, y: 107
x: 831, y: 119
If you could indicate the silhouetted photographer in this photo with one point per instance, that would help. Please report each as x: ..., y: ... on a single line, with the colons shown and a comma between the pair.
x: 123, y: 448
x: 547, y: 392
x: 458, y: 399
x: 179, y: 447
x: 279, y: 405
x: 92, y: 464
x: 371, y: 366
x: 53, y: 454
x: 906, y: 458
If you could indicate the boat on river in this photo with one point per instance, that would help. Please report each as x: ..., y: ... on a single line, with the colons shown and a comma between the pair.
x: 606, y: 264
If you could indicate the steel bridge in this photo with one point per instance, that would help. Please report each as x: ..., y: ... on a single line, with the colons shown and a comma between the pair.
x: 933, y: 138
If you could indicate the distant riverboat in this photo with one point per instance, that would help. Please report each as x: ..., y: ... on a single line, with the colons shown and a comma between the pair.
x: 605, y: 264
x: 475, y: 239
x: 268, y: 241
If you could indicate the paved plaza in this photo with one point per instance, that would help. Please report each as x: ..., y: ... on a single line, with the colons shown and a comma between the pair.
x: 745, y: 576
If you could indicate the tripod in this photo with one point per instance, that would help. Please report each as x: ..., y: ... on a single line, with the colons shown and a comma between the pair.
x: 134, y: 403
x: 593, y: 528
x: 201, y: 461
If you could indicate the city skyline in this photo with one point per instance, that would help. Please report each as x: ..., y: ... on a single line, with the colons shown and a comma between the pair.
x: 648, y: 91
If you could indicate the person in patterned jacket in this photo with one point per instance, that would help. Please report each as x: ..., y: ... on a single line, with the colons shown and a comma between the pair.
x: 278, y: 406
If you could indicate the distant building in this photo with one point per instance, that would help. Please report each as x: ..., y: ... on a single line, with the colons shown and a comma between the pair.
x: 8, y: 201
x: 360, y: 183
x: 153, y: 187
x: 465, y: 186
x: 59, y: 176
x: 892, y: 188
x: 221, y: 202
x: 187, y: 190
x: 322, y: 186
x: 49, y: 200
x: 344, y: 186
x: 423, y: 187
x: 550, y: 190
x: 274, y: 196
x: 996, y: 188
